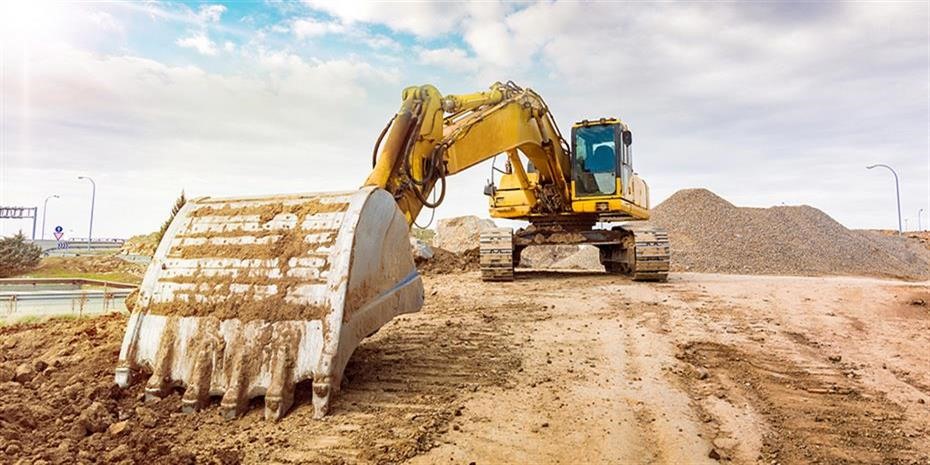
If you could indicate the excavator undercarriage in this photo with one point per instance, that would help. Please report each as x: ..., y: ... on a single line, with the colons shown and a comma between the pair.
x: 641, y: 252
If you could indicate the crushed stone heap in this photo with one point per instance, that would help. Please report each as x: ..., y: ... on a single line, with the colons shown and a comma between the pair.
x: 709, y: 234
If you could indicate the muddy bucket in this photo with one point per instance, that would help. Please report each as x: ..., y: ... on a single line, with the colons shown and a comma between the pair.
x: 246, y: 297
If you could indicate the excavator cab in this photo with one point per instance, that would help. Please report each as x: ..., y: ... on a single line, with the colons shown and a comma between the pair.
x: 602, y: 175
x: 594, y: 153
x: 601, y: 158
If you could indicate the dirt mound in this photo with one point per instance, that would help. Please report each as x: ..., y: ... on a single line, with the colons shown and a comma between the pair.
x: 460, y: 234
x: 445, y: 262
x: 58, y: 403
x: 709, y: 234
x: 143, y: 244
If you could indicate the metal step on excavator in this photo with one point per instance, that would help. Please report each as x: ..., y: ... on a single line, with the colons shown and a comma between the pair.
x: 246, y: 297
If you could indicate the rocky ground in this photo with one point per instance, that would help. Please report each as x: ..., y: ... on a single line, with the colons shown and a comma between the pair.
x: 556, y: 367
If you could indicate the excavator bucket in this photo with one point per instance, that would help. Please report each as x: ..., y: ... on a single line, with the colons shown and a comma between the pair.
x: 246, y: 297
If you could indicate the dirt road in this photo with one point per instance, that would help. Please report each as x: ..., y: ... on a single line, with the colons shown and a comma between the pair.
x: 553, y: 368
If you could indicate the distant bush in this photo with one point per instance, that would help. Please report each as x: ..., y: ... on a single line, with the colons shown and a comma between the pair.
x: 18, y: 256
x: 174, y: 211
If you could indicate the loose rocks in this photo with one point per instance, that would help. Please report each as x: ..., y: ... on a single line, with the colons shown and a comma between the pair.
x: 709, y: 234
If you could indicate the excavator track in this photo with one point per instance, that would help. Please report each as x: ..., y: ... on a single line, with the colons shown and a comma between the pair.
x: 652, y: 252
x: 496, y: 254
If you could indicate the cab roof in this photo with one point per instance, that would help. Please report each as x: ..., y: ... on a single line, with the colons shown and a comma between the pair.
x: 601, y: 122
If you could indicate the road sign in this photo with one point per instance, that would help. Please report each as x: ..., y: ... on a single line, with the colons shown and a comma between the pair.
x: 59, y: 232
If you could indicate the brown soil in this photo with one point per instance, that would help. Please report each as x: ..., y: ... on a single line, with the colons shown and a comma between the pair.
x: 402, y: 388
x: 551, y: 368
x: 142, y: 244
x: 445, y: 262
x: 211, y: 295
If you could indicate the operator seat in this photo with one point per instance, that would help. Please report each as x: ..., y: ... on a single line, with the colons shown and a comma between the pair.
x: 602, y: 160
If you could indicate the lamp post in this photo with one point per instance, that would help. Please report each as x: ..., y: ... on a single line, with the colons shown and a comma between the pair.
x: 919, y: 227
x: 897, y: 190
x: 93, y: 195
x: 45, y: 210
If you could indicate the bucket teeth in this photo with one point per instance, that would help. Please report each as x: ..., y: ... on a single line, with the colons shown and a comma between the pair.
x: 197, y: 394
x: 238, y: 361
x: 159, y: 383
x: 280, y: 394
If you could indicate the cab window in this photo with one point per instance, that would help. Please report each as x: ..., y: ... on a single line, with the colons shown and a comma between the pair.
x: 595, y: 160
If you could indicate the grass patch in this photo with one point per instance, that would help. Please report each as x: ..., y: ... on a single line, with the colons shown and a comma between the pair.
x: 60, y: 273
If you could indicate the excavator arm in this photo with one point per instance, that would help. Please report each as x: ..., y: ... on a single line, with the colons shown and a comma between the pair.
x: 433, y: 136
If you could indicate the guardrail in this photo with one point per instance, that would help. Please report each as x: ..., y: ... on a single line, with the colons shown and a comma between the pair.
x: 46, y: 297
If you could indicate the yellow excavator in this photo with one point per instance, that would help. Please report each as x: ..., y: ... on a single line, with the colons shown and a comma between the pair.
x: 248, y: 296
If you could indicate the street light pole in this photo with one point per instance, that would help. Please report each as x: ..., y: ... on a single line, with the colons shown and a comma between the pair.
x: 897, y: 191
x: 45, y: 210
x: 93, y: 195
x: 919, y: 227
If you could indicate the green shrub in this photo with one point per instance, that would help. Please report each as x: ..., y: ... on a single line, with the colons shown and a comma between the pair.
x: 174, y: 211
x: 18, y: 256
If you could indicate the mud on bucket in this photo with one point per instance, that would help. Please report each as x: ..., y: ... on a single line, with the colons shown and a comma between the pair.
x: 246, y: 297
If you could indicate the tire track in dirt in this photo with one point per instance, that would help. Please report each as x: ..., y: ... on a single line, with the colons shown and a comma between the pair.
x: 595, y: 388
x: 815, y: 413
x: 401, y: 390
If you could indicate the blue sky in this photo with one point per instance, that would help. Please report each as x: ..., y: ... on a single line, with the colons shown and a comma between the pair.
x: 764, y: 103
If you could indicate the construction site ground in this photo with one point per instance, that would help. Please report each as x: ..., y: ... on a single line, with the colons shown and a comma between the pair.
x: 556, y: 367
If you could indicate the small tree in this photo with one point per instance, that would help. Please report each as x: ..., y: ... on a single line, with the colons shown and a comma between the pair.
x: 18, y: 256
x: 174, y: 211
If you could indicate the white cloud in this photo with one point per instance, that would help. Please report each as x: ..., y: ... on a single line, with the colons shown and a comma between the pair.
x: 420, y: 18
x: 199, y: 42
x: 211, y: 13
x: 106, y: 21
x: 304, y: 28
x: 309, y: 27
x: 229, y: 46
x: 378, y: 41
x: 453, y: 59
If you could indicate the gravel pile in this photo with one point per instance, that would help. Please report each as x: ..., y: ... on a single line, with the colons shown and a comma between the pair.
x: 709, y: 234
